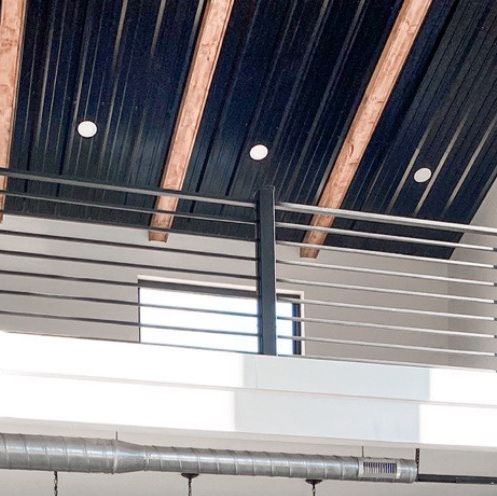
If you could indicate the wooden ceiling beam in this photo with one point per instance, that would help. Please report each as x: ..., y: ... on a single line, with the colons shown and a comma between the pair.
x: 11, y: 39
x: 378, y: 92
x: 210, y: 38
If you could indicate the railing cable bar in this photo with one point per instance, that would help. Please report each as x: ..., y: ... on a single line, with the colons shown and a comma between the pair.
x: 110, y: 301
x: 373, y: 289
x: 386, y: 219
x: 118, y: 244
x: 385, y: 327
x: 111, y: 263
x: 372, y: 344
x: 374, y: 253
x: 147, y: 191
x: 124, y: 208
x: 128, y: 226
x: 364, y: 270
x: 123, y: 323
x: 412, y: 311
x: 58, y: 277
x: 390, y: 237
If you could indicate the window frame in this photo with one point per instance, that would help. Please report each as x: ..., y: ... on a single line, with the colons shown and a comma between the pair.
x: 220, y: 290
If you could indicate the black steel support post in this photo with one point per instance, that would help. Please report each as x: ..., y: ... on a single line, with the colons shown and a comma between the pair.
x: 266, y: 271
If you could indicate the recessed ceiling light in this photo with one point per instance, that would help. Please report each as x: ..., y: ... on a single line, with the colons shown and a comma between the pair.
x: 422, y: 175
x: 258, y: 152
x: 87, y: 129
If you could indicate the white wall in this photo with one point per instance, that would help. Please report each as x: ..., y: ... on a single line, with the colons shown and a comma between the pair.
x: 165, y: 259
x: 486, y: 216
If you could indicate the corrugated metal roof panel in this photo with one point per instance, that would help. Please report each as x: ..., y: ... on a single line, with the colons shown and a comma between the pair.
x: 290, y: 75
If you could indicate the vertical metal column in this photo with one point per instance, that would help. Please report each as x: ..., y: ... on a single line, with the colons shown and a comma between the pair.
x: 266, y: 271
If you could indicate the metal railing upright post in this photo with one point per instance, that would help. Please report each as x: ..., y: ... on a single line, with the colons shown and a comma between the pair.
x: 266, y: 271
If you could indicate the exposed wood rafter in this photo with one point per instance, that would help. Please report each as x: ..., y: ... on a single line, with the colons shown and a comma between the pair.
x: 210, y: 38
x: 380, y: 87
x: 11, y: 36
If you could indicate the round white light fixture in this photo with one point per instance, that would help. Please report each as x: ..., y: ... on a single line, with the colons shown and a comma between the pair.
x: 258, y: 152
x: 422, y: 175
x: 87, y: 129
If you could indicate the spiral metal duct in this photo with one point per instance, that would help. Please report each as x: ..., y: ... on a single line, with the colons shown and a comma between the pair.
x: 68, y: 454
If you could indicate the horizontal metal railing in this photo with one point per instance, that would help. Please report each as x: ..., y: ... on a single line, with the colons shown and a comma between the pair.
x: 79, y: 280
x: 397, y: 307
x: 384, y: 219
x: 361, y: 300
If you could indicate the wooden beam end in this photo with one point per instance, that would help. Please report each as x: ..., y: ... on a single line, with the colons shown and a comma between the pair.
x: 309, y: 252
x: 313, y: 238
x: 158, y: 236
x: 208, y: 47
x: 160, y: 221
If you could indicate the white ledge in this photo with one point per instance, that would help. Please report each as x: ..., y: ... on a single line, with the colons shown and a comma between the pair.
x: 124, y: 384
